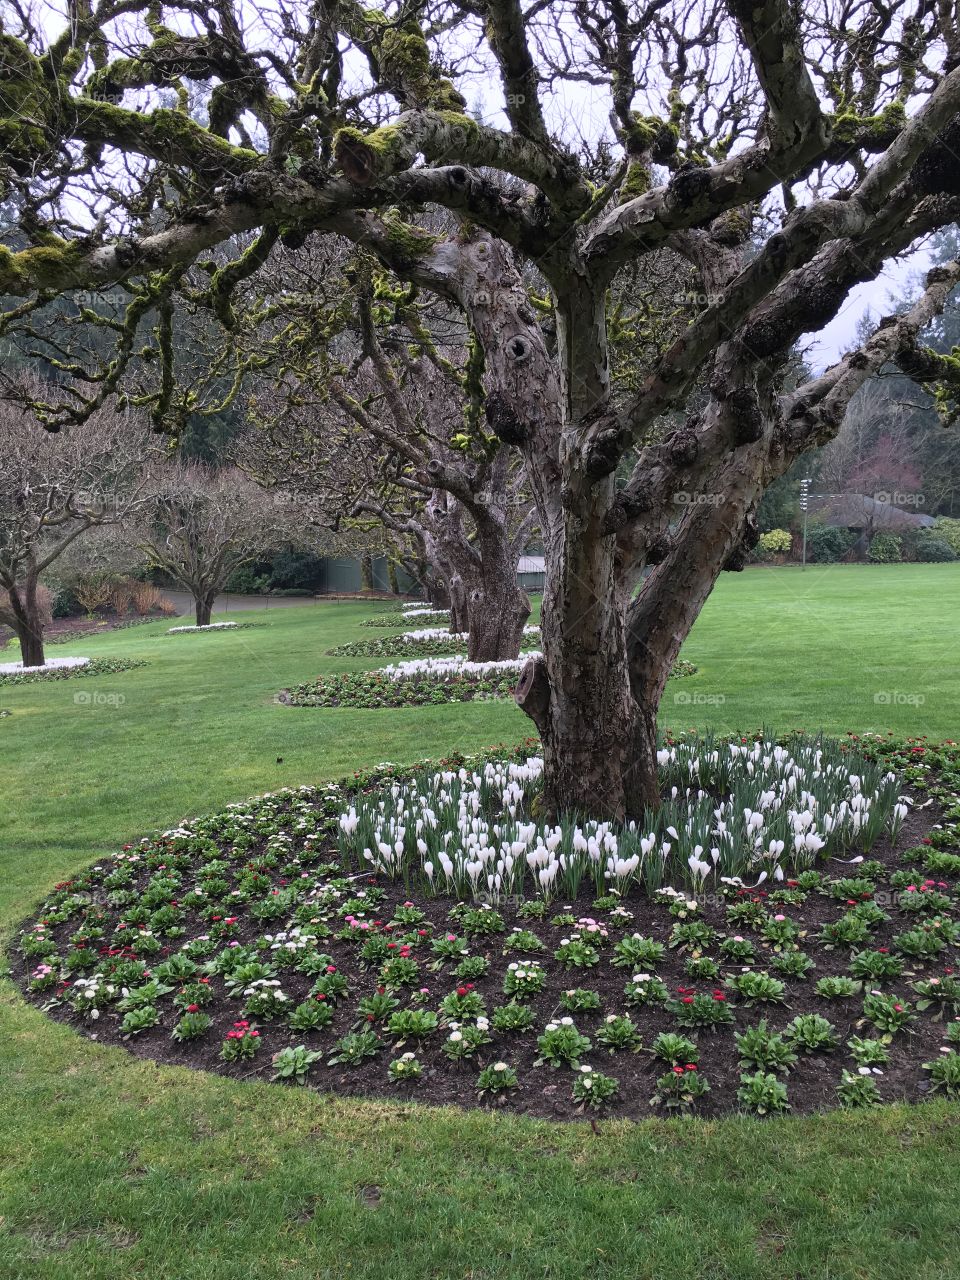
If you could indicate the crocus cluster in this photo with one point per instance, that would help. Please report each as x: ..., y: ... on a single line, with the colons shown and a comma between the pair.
x: 740, y: 815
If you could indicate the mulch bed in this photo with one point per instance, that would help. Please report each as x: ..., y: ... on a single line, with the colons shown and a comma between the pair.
x: 542, y: 1091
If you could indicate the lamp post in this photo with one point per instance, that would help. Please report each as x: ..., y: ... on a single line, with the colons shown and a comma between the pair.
x: 804, y: 495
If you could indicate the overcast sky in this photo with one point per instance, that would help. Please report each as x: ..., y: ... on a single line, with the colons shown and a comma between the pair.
x: 873, y: 297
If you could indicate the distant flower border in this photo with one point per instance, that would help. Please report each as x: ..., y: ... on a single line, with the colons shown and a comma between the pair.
x: 215, y: 626
x: 369, y: 690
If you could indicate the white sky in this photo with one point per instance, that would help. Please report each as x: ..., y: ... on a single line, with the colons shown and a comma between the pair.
x: 875, y: 297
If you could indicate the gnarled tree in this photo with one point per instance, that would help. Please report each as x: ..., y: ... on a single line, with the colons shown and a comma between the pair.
x: 378, y: 415
x: 53, y: 489
x: 787, y: 153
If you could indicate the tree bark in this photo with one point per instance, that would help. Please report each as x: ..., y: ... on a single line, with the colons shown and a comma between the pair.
x: 436, y: 589
x: 366, y: 573
x: 204, y: 608
x: 498, y: 607
x: 588, y: 728
x: 486, y: 601
x: 589, y: 721
x: 459, y: 618
x: 27, y: 621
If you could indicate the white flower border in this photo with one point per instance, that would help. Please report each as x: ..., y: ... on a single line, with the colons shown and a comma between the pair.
x: 211, y: 626
x: 52, y: 664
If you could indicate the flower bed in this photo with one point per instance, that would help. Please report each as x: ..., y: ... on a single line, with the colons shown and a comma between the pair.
x: 67, y: 669
x: 373, y: 689
x: 418, y: 683
x: 97, y: 628
x: 407, y: 645
x: 403, y: 617
x: 216, y: 626
x: 457, y: 667
x: 52, y: 664
x: 424, y: 643
x: 254, y: 942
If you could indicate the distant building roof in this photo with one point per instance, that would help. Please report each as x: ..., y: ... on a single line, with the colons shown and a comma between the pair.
x: 531, y: 564
x: 859, y: 511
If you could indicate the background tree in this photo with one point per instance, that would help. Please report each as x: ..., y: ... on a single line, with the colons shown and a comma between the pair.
x: 201, y: 523
x: 786, y: 155
x: 53, y: 489
x: 378, y: 415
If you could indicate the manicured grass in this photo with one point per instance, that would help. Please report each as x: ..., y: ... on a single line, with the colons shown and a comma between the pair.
x: 115, y: 1166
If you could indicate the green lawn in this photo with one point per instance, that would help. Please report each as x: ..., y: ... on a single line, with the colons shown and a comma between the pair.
x: 117, y: 1167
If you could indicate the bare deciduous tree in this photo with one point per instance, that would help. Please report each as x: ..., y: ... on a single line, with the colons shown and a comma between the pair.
x: 201, y: 523
x: 53, y: 488
x: 393, y: 434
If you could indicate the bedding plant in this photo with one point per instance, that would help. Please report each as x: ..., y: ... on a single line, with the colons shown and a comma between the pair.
x: 90, y: 667
x: 423, y: 642
x: 420, y: 681
x: 783, y: 934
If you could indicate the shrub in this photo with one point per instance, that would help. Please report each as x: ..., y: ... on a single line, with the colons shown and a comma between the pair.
x: 885, y: 548
x: 763, y: 1049
x: 811, y: 1033
x: 826, y: 544
x: 294, y: 1063
x: 857, y: 1089
x: 677, y: 1050
x: 776, y: 542
x: 405, y: 1068
x: 618, y: 1032
x: 146, y: 597
x: 63, y: 602
x: 561, y: 1043
x: 93, y: 591
x: 497, y: 1078
x: 945, y: 1074
x: 121, y: 596
x: 794, y: 964
x: 948, y: 531
x: 932, y: 549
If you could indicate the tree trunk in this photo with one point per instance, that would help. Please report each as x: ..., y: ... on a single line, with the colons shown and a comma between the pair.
x: 497, y: 616
x: 497, y: 607
x: 31, y: 645
x: 366, y: 573
x: 27, y: 619
x: 204, y: 608
x: 581, y: 699
x: 437, y: 593
x: 459, y: 617
x: 392, y: 575
x: 578, y: 694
